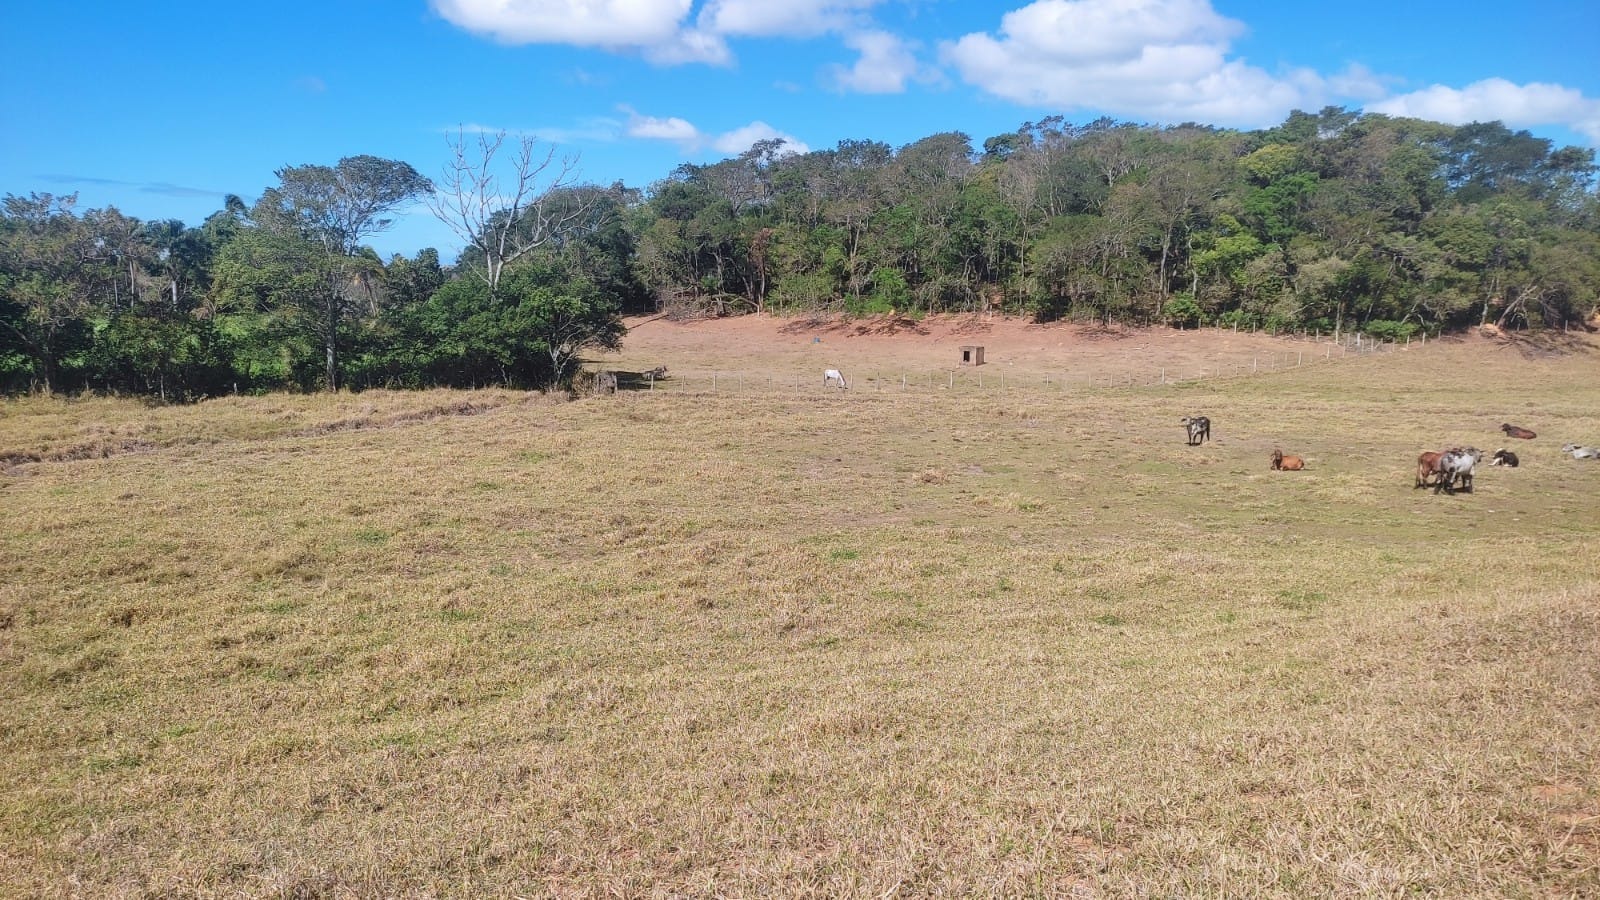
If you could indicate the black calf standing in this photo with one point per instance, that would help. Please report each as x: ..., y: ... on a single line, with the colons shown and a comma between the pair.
x: 1199, y: 429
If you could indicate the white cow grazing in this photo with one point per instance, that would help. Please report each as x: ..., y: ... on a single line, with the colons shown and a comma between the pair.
x: 834, y: 376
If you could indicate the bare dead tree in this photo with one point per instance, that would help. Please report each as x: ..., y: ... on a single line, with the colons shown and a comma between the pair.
x: 495, y: 198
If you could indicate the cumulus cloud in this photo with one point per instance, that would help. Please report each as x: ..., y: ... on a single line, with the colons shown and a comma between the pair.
x: 886, y: 63
x: 691, y: 46
x: 1517, y: 105
x: 734, y: 142
x: 657, y: 29
x: 1164, y: 60
x: 661, y: 30
x: 1087, y: 32
x: 653, y: 27
x: 672, y: 128
x: 691, y: 139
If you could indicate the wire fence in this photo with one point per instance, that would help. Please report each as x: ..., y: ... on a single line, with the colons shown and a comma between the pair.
x: 990, y: 378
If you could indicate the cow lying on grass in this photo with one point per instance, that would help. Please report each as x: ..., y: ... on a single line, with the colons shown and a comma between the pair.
x: 1504, y: 458
x: 1514, y: 431
x: 1580, y: 452
x: 1281, y: 463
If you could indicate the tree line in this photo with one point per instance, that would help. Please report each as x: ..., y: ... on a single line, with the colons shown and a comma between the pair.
x: 1335, y: 221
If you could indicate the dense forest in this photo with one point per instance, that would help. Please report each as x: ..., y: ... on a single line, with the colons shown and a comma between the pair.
x: 1336, y: 221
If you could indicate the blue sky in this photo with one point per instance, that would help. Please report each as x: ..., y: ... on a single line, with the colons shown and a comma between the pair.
x: 162, y: 108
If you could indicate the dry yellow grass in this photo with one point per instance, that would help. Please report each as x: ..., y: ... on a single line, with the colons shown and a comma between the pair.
x: 779, y: 643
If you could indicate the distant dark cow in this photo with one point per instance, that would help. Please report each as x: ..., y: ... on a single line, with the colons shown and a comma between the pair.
x: 1199, y: 429
x: 1514, y: 431
x: 1455, y: 470
x: 1504, y: 458
x: 1281, y: 463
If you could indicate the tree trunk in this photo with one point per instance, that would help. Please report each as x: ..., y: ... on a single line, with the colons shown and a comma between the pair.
x: 332, y: 342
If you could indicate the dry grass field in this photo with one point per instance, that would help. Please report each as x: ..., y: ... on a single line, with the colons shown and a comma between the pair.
x: 795, y: 642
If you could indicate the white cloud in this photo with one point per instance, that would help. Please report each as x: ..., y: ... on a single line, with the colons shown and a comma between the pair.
x: 691, y: 46
x: 690, y: 139
x: 654, y: 27
x: 669, y: 129
x: 885, y: 65
x: 1517, y: 105
x: 659, y: 30
x: 1085, y: 32
x: 734, y: 142
x: 1162, y: 60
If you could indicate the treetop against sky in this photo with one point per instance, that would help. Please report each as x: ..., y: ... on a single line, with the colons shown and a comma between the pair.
x: 162, y: 111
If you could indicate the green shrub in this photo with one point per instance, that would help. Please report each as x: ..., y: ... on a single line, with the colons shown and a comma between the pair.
x: 1390, y: 330
x: 1183, y: 312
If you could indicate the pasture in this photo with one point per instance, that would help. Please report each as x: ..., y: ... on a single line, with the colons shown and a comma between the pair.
x: 809, y: 643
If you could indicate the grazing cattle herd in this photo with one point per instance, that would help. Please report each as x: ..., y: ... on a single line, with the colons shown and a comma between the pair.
x: 1448, y: 470
x: 1445, y: 471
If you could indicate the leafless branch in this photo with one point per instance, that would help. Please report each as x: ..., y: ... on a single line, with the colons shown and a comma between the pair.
x: 495, y: 198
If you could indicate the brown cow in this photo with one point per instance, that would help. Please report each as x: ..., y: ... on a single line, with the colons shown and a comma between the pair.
x: 1281, y: 463
x: 1427, y: 467
x: 1514, y: 431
